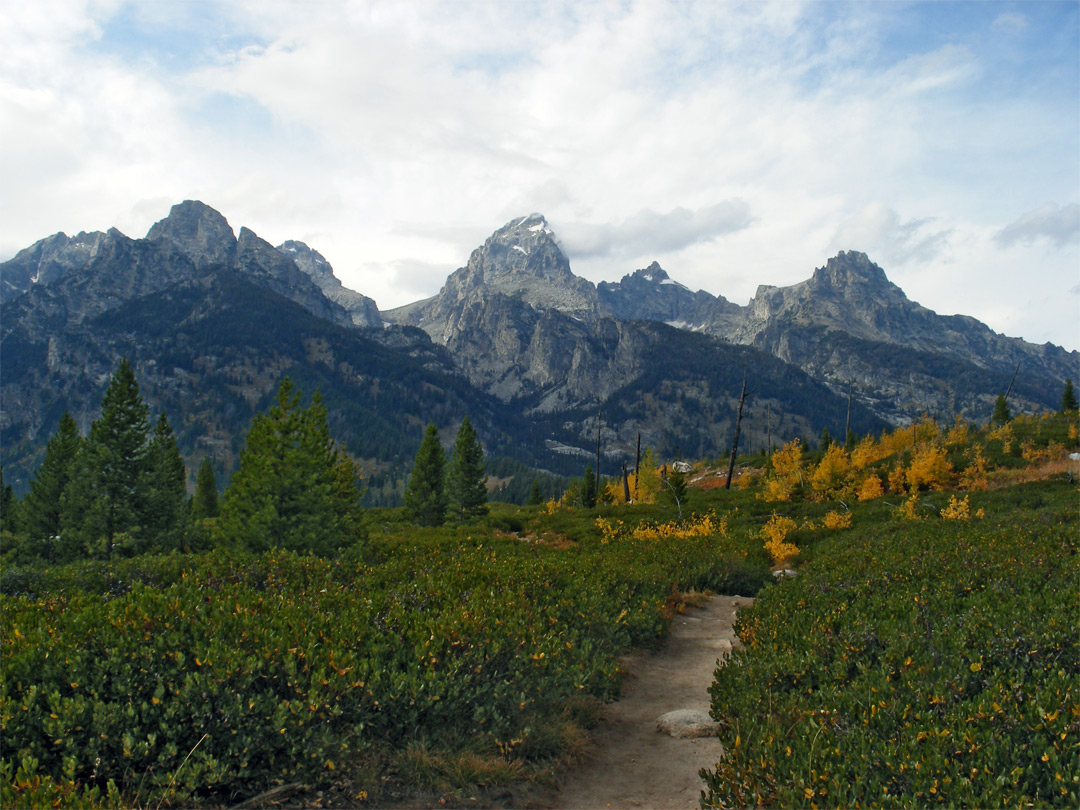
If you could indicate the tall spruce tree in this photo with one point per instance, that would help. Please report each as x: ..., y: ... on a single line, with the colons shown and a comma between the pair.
x: 108, y: 489
x: 40, y: 513
x: 292, y: 489
x: 1068, y: 398
x: 165, y: 512
x: 588, y: 488
x: 425, y: 493
x: 8, y: 505
x: 466, y: 482
x: 1001, y: 411
x: 204, y: 504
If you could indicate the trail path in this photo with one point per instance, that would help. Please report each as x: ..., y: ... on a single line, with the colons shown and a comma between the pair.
x: 635, y: 765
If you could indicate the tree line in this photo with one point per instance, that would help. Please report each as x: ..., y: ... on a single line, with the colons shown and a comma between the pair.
x: 122, y: 488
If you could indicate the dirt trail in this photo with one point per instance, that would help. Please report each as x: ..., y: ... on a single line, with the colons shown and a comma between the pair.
x: 635, y: 765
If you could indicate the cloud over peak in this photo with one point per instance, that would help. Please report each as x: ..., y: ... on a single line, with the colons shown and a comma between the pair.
x: 1059, y: 225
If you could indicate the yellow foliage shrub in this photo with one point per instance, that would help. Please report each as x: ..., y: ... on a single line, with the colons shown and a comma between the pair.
x: 705, y: 525
x: 775, y: 490
x: 929, y: 468
x: 897, y: 477
x: 909, y: 510
x: 958, y: 433
x: 775, y: 533
x: 973, y: 478
x: 786, y: 472
x: 870, y: 488
x: 1073, y: 432
x: 837, y: 520
x: 957, y: 510
x: 829, y: 474
x: 867, y: 452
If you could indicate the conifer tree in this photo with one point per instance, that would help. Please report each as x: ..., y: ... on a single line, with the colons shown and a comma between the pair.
x: 108, y: 488
x: 1068, y: 398
x: 204, y: 504
x: 675, y: 487
x: 292, y: 489
x: 588, y: 488
x: 164, y: 505
x: 40, y: 514
x: 425, y: 494
x: 466, y: 482
x: 534, y: 494
x: 1001, y: 411
x: 7, y: 505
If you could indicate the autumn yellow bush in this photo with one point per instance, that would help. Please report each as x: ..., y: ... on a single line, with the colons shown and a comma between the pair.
x: 974, y: 478
x: 775, y: 533
x: 837, y: 520
x: 957, y: 510
x: 829, y: 474
x: 786, y: 474
x: 930, y: 468
x: 870, y: 488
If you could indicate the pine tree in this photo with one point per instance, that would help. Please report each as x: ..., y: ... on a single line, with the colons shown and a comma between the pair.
x: 8, y: 505
x: 1068, y: 398
x: 108, y: 487
x: 534, y: 494
x: 292, y: 489
x: 40, y: 515
x: 588, y: 488
x: 425, y: 494
x: 204, y: 504
x: 466, y: 483
x: 165, y: 513
x: 1001, y: 411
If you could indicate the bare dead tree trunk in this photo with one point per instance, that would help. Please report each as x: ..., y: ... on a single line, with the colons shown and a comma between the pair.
x: 625, y: 484
x: 738, y: 427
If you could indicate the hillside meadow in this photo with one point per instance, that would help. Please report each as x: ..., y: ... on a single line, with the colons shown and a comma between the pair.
x: 925, y: 652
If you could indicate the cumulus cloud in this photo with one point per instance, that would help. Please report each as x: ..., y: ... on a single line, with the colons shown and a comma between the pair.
x: 650, y: 233
x: 878, y: 231
x: 1058, y: 225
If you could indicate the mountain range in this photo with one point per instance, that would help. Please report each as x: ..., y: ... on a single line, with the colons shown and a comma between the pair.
x: 532, y: 353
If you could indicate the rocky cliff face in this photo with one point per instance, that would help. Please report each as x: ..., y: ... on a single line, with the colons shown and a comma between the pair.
x: 651, y: 294
x: 362, y: 310
x: 47, y: 260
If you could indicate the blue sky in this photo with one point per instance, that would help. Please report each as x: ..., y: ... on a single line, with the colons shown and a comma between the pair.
x: 736, y: 143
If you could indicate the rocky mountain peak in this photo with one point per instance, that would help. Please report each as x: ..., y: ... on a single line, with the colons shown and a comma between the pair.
x: 199, y: 232
x: 850, y: 268
x: 523, y: 246
x: 49, y: 259
x: 654, y: 272
x: 307, y: 259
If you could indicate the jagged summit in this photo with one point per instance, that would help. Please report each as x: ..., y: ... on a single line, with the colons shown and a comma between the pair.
x: 850, y: 268
x: 201, y: 233
x: 521, y: 261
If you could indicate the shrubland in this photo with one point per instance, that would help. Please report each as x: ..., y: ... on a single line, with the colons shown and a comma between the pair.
x: 925, y: 652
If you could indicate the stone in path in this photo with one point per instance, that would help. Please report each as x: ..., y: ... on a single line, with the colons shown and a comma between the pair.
x: 635, y: 766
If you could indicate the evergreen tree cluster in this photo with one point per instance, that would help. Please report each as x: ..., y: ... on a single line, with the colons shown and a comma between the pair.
x: 437, y: 489
x: 293, y: 488
x: 122, y: 488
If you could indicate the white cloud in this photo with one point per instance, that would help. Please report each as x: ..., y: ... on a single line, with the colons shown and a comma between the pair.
x: 394, y: 137
x: 878, y: 230
x: 1058, y: 225
x: 650, y: 233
